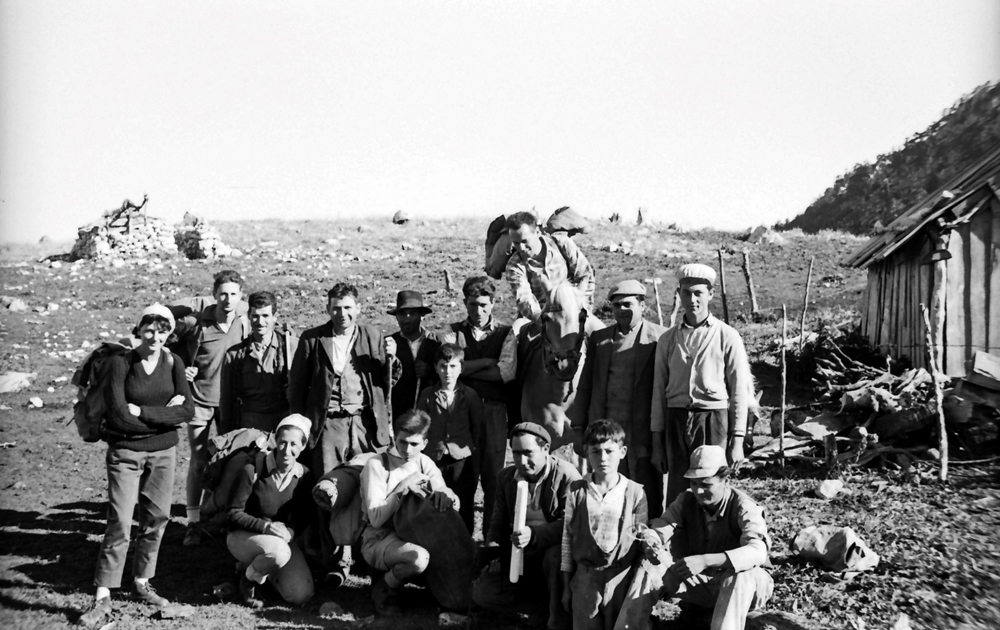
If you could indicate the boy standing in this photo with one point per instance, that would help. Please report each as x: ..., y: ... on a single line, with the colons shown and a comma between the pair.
x: 599, y: 548
x: 456, y: 414
x: 385, y: 480
x: 702, y: 384
x: 205, y: 335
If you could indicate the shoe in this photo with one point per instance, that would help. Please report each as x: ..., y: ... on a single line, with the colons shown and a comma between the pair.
x: 385, y: 598
x: 98, y: 613
x: 146, y: 592
x: 248, y: 593
x: 192, y: 535
x: 336, y: 578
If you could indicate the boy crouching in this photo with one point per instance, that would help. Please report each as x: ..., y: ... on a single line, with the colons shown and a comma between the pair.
x: 599, y: 548
x: 385, y: 480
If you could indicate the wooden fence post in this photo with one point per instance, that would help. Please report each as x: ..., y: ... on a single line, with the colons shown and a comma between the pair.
x: 805, y: 305
x: 932, y: 361
x: 749, y: 277
x: 781, y: 436
x: 722, y: 287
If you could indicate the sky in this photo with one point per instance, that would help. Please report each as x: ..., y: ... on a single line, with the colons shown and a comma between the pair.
x: 707, y: 114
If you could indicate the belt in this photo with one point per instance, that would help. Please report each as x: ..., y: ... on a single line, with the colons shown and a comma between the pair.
x: 344, y: 413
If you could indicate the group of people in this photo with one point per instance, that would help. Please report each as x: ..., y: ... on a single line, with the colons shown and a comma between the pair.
x: 427, y: 414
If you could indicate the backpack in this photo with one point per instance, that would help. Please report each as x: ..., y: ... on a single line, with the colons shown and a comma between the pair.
x: 230, y: 452
x: 91, y: 379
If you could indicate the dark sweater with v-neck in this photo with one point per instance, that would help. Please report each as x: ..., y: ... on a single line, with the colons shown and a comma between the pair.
x: 155, y: 428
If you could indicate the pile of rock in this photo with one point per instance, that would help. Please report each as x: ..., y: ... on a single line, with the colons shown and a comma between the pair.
x: 195, y: 239
x: 126, y: 238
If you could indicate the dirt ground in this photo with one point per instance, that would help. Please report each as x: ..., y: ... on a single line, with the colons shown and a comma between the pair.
x: 939, y: 545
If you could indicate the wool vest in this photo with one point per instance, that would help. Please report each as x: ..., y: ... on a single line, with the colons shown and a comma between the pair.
x: 489, y: 348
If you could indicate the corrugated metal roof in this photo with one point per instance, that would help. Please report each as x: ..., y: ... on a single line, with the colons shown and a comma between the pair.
x: 967, y: 189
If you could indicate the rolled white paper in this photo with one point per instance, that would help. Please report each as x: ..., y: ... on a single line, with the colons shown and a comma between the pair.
x: 520, y: 517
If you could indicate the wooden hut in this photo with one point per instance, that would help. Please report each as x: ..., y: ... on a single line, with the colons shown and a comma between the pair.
x: 943, y: 252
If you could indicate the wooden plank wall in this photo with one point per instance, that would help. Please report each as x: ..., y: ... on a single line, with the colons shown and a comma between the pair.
x: 891, y: 320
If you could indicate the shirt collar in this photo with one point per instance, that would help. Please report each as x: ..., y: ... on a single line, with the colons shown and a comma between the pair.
x: 708, y: 321
x: 272, y: 466
x: 723, y: 507
x: 491, y: 324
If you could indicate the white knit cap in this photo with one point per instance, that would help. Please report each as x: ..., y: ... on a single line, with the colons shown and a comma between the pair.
x: 162, y: 311
x: 298, y: 421
x: 695, y: 273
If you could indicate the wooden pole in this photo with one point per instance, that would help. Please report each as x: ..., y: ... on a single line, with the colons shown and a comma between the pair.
x: 805, y: 305
x: 722, y: 287
x: 656, y: 293
x: 781, y: 436
x: 677, y: 307
x: 447, y: 281
x: 932, y: 361
x: 749, y: 278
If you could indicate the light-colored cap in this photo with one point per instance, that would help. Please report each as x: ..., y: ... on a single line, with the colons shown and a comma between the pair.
x: 626, y: 288
x: 696, y: 273
x: 298, y: 421
x: 162, y: 311
x: 706, y: 462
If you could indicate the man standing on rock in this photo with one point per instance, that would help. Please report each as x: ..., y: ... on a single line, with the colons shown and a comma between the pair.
x: 254, y: 392
x: 541, y: 261
x: 204, y: 337
x: 617, y: 379
x: 490, y: 363
x: 415, y: 351
x: 338, y: 380
x: 702, y: 387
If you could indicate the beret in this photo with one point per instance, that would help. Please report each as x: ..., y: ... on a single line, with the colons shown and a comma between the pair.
x: 534, y: 429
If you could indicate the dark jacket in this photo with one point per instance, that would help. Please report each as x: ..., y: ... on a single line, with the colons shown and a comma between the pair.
x: 311, y: 378
x: 229, y: 402
x: 405, y: 390
x: 554, y: 486
x: 594, y: 380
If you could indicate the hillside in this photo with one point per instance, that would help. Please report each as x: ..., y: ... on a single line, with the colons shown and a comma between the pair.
x: 881, y: 190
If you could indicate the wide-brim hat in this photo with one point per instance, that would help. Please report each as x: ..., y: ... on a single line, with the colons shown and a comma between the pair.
x: 409, y: 299
x: 706, y: 462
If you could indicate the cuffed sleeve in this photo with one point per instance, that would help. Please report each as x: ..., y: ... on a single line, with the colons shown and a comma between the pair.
x: 754, y: 539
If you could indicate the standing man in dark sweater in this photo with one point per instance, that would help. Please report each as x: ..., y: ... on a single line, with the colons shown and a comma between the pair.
x: 205, y: 336
x: 415, y: 350
x: 490, y: 363
x: 338, y: 380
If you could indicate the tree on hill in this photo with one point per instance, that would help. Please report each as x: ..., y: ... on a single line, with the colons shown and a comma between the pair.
x: 881, y: 191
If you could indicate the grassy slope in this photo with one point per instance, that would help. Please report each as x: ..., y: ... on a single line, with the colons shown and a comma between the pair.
x: 939, y: 552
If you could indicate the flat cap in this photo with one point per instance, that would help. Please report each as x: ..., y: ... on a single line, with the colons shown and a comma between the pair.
x: 532, y: 428
x: 706, y: 461
x: 695, y: 273
x: 627, y: 287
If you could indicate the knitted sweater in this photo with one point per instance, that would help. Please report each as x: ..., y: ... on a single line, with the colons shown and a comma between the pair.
x: 155, y: 428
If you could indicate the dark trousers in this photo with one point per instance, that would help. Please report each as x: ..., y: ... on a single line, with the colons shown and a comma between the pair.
x: 686, y: 430
x: 146, y: 478
x: 343, y: 438
x: 538, y: 590
x: 460, y: 475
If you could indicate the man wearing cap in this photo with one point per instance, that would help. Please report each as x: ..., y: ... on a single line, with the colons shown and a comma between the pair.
x: 708, y: 548
x: 539, y: 591
x: 338, y: 380
x: 541, y: 261
x: 702, y: 384
x: 415, y: 350
x: 617, y: 379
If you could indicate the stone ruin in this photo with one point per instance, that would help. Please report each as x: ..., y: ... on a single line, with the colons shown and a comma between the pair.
x: 128, y: 233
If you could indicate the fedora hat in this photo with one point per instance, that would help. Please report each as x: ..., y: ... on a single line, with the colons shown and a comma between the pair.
x: 409, y: 299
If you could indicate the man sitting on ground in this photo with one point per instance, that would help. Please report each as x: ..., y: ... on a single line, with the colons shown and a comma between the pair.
x: 539, y: 591
x: 385, y: 480
x: 707, y: 548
